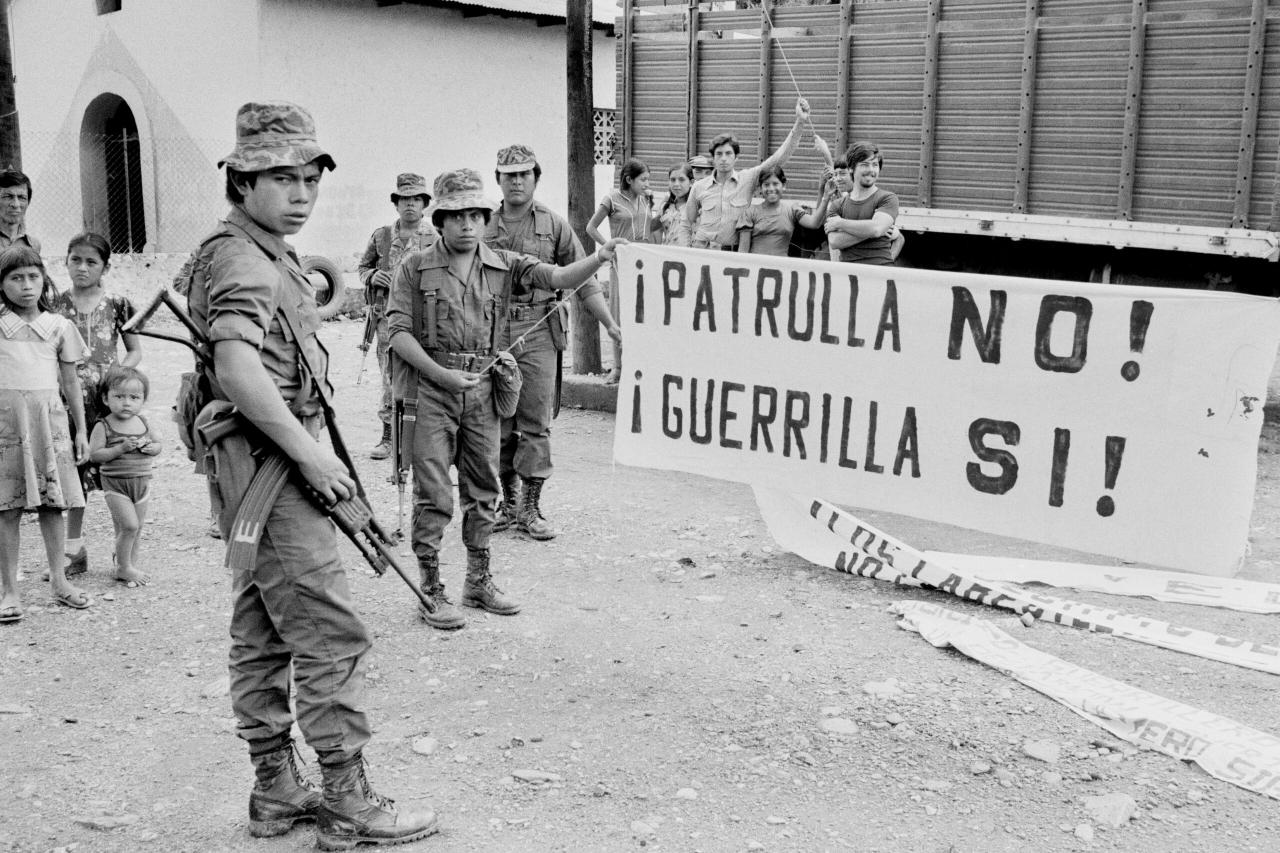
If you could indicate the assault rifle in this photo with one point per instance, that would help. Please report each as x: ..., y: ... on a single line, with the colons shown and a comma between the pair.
x: 353, y: 516
x: 366, y: 341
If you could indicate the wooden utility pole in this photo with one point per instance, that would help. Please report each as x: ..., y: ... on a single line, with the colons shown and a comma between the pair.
x: 10, y: 143
x: 582, y: 160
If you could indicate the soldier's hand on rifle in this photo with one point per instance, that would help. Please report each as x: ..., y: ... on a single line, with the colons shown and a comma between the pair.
x: 458, y: 381
x: 327, y: 474
x: 381, y: 278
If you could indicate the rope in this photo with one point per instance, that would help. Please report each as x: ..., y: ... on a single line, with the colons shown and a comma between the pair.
x: 764, y: 9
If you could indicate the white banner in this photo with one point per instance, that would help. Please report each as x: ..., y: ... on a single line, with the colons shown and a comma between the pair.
x: 1225, y: 749
x: 828, y: 536
x: 1118, y: 420
x: 1247, y: 596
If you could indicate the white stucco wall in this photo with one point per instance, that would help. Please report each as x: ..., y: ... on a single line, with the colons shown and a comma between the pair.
x: 413, y: 88
x: 402, y: 88
x: 178, y: 66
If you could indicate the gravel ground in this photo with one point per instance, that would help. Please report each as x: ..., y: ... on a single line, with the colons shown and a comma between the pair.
x: 673, y: 683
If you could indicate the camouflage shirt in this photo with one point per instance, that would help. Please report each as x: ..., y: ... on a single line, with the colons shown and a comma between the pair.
x: 386, y: 248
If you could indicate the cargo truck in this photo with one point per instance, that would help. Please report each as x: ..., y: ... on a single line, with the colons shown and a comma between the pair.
x: 1110, y: 140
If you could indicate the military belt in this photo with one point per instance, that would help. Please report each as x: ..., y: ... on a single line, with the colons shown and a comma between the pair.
x: 530, y: 312
x: 465, y: 361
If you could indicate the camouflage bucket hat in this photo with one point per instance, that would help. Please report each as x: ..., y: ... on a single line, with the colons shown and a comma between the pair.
x: 273, y: 134
x: 408, y: 185
x: 516, y: 158
x: 460, y: 189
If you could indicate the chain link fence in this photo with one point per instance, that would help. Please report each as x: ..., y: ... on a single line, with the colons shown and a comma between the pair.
x: 145, y: 195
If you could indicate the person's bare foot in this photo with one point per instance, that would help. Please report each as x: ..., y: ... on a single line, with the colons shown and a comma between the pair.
x: 132, y: 577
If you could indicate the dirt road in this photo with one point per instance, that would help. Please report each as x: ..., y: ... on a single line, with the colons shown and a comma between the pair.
x: 668, y: 681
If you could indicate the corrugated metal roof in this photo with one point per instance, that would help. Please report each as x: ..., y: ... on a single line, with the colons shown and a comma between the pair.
x: 602, y: 11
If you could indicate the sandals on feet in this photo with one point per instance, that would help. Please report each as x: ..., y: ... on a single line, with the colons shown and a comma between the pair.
x: 10, y: 614
x: 75, y: 600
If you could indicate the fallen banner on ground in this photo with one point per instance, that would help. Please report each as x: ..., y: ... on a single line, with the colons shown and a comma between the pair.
x: 828, y: 536
x: 1118, y: 420
x: 1225, y: 749
x: 1176, y: 587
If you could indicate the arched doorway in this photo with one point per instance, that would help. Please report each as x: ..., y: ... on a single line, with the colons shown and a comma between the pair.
x: 111, y: 174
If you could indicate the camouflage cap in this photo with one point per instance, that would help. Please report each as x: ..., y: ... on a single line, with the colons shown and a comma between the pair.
x: 516, y: 158
x: 460, y: 189
x: 273, y: 134
x: 700, y: 162
x: 408, y: 185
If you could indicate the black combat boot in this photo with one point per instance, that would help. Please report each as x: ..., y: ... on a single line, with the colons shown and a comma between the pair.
x: 530, y: 519
x: 383, y: 448
x: 442, y: 614
x: 480, y: 591
x: 280, y: 796
x: 509, y: 509
x: 352, y: 813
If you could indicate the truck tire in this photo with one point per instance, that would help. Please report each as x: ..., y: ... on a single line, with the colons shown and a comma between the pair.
x: 327, y: 279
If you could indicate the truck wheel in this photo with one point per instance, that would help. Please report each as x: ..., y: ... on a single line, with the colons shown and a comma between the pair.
x: 327, y: 280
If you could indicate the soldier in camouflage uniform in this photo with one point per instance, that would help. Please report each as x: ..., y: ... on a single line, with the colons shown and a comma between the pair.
x: 292, y: 616
x: 528, y: 226
x: 447, y: 312
x: 410, y: 233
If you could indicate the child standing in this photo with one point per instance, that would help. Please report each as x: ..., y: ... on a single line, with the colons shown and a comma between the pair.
x: 38, y: 355
x: 122, y: 445
x: 629, y: 210
x: 679, y: 182
x: 98, y: 315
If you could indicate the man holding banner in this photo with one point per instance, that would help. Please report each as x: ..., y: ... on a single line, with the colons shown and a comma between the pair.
x: 446, y: 316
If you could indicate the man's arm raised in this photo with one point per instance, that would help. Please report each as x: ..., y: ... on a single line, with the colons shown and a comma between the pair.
x: 789, y: 145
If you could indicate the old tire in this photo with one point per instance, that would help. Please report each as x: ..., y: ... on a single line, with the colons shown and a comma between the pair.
x: 327, y: 279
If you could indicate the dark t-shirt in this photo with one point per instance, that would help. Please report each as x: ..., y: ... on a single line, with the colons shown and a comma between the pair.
x: 878, y: 249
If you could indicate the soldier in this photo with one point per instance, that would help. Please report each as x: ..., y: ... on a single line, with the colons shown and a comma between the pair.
x: 293, y: 610
x: 410, y: 233
x: 446, y: 314
x: 528, y: 226
x: 15, y: 196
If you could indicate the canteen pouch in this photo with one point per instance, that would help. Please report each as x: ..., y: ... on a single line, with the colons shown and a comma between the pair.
x: 506, y: 387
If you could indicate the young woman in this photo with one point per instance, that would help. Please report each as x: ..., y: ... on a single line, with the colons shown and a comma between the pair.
x: 766, y: 228
x: 629, y: 210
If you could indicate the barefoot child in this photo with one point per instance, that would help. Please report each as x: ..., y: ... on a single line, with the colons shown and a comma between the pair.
x: 122, y: 446
x: 98, y: 315
x: 38, y: 355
